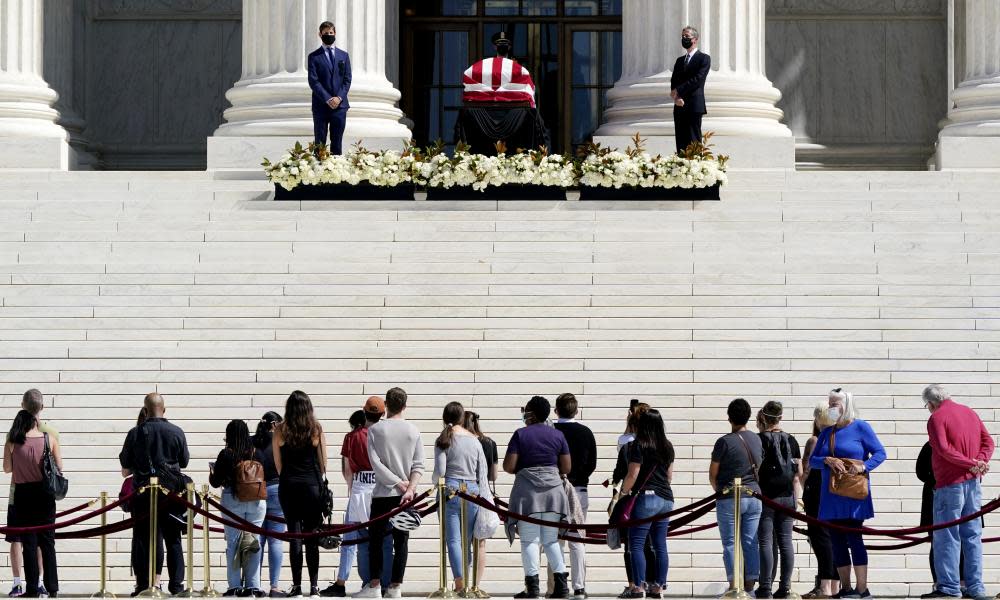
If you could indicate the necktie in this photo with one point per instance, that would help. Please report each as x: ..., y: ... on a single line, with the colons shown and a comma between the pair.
x: 687, y: 59
x: 329, y: 56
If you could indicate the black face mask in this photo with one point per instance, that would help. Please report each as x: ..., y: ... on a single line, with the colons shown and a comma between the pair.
x: 687, y: 42
x: 329, y: 39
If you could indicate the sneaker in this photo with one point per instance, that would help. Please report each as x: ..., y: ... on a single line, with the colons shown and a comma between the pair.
x: 846, y: 593
x: 368, y: 592
x: 277, y: 594
x: 233, y: 592
x: 16, y: 591
x: 42, y: 592
x: 259, y: 593
x: 245, y: 592
x: 394, y: 591
x: 580, y: 594
x: 936, y: 594
x: 314, y: 591
x: 334, y: 591
x: 294, y: 592
x: 780, y: 594
x: 867, y: 595
x: 630, y: 593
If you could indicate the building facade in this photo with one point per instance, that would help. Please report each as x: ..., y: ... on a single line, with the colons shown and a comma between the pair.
x: 185, y: 84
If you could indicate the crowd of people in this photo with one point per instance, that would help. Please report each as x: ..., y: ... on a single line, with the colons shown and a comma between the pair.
x: 276, y: 479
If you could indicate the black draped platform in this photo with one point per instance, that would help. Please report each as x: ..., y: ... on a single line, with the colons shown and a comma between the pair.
x: 517, y: 126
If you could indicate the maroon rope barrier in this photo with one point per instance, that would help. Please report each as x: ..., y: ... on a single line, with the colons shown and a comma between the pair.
x: 899, y: 533
x: 69, y: 523
x: 98, y: 531
x: 70, y: 511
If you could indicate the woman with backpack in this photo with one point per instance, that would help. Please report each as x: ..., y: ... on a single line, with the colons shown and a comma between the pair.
x: 34, y: 505
x: 236, y: 471
x: 273, y: 517
x: 650, y: 469
x: 300, y: 457
x: 780, y: 480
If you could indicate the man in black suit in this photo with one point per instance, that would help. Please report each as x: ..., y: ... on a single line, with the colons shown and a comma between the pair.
x: 330, y: 80
x: 687, y: 89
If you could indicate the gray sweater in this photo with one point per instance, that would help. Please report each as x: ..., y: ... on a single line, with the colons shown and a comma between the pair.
x: 463, y: 460
x: 396, y: 452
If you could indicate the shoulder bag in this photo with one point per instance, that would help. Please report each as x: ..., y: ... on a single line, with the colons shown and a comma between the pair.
x: 55, y: 484
x: 848, y: 484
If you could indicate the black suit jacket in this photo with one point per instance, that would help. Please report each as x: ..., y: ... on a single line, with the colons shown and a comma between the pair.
x: 690, y: 81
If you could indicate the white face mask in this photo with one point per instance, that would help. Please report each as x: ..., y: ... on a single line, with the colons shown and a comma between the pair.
x: 834, y: 413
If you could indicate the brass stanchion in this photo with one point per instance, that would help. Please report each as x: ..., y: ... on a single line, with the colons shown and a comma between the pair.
x: 154, y: 508
x: 466, y: 591
x: 189, y: 591
x: 442, y: 591
x: 737, y: 592
x: 208, y: 591
x: 103, y: 592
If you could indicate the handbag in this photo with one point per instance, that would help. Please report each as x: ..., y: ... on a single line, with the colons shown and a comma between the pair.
x: 622, y: 510
x: 55, y: 484
x: 486, y: 524
x: 128, y: 487
x: 325, y: 495
x: 848, y: 484
x: 331, y: 541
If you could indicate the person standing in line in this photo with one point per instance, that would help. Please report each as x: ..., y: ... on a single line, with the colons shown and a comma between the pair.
x: 583, y: 456
x: 853, y: 439
x: 781, y: 481
x: 961, y: 449
x: 650, y: 470
x: 33, y: 402
x: 157, y: 448
x: 738, y: 455
x: 538, y: 457
x: 687, y: 89
x: 33, y: 503
x: 636, y: 410
x: 827, y: 580
x: 330, y: 80
x: 459, y: 458
x: 223, y: 473
x: 357, y: 471
x: 471, y: 423
x: 263, y: 442
x: 300, y: 459
x: 397, y: 457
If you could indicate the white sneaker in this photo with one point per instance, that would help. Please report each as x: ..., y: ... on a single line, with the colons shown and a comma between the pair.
x: 394, y: 591
x: 368, y: 592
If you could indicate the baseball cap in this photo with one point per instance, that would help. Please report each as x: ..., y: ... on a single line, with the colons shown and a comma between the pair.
x: 374, y: 405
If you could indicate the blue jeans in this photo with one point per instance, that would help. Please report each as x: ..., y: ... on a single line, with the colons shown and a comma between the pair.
x: 540, y: 537
x: 950, y: 503
x: 248, y: 511
x: 647, y: 505
x: 275, y: 547
x: 750, y: 509
x: 347, y: 554
x: 453, y: 524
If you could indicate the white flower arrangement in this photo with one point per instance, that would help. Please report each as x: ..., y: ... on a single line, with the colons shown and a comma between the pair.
x: 696, y: 167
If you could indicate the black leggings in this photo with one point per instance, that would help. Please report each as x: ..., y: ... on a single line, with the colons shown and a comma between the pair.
x: 377, y: 532
x: 819, y: 537
x: 848, y: 548
x: 302, y: 504
x: 34, y: 506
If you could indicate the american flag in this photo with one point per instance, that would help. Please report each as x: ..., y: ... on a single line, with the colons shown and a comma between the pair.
x: 498, y: 80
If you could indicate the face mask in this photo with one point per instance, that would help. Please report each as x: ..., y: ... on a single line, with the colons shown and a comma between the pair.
x: 833, y: 414
x: 329, y: 39
x: 687, y: 42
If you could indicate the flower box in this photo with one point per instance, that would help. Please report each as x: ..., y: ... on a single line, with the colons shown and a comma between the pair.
x: 498, y: 192
x: 345, y: 191
x: 627, y: 192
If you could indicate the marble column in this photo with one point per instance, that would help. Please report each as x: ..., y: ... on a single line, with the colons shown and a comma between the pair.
x: 271, y: 102
x: 29, y: 134
x: 741, y: 100
x: 64, y: 66
x: 970, y: 136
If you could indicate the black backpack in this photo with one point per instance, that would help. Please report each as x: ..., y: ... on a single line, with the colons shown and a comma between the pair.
x: 777, y: 469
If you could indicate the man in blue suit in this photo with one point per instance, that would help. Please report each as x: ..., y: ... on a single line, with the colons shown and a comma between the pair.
x: 687, y: 89
x: 330, y: 80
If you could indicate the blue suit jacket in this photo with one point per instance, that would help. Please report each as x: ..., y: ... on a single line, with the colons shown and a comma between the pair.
x: 327, y: 82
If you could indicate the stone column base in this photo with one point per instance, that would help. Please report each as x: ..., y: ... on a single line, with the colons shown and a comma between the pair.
x: 745, y: 152
x: 35, y: 153
x: 967, y: 152
x: 240, y: 156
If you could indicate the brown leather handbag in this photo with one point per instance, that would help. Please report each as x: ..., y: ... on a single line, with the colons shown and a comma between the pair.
x: 850, y: 484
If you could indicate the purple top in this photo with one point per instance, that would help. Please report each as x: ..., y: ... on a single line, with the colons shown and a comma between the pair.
x: 537, y: 446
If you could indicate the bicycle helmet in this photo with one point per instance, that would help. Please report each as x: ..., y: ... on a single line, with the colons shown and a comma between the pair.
x: 407, y: 520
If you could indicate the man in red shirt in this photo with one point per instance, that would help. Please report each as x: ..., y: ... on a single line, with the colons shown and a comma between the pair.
x: 961, y: 449
x: 357, y: 470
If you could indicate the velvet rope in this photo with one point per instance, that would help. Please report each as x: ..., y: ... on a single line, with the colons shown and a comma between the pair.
x: 73, y: 521
x: 70, y: 511
x: 507, y: 514
x: 98, y: 531
x: 899, y: 533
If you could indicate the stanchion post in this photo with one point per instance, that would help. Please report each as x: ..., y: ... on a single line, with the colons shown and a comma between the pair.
x: 476, y: 592
x: 442, y: 591
x: 189, y: 566
x: 154, y: 508
x: 466, y: 591
x: 208, y: 591
x: 737, y: 592
x: 103, y: 592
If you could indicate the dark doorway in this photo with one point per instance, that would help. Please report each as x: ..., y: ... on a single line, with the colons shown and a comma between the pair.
x: 571, y: 47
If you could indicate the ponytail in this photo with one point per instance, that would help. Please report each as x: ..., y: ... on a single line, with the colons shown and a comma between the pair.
x: 453, y: 415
